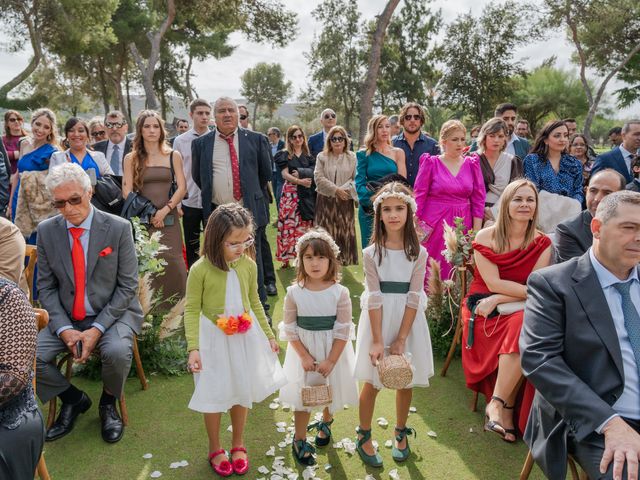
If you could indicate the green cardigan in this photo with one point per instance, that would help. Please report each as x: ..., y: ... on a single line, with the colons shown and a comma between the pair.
x: 206, y: 292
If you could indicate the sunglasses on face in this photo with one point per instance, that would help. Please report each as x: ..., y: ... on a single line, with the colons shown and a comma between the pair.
x: 243, y: 117
x: 296, y: 137
x: 239, y: 246
x: 327, y: 116
x: 115, y: 124
x: 14, y: 119
x: 412, y: 117
x: 98, y: 134
x: 75, y: 200
x: 337, y: 139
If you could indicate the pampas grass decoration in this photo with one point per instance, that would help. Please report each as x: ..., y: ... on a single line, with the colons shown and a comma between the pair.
x: 145, y: 294
x: 172, y: 320
x: 450, y: 238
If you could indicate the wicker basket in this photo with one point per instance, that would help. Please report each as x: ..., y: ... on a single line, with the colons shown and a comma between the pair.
x: 395, y: 372
x: 316, y: 395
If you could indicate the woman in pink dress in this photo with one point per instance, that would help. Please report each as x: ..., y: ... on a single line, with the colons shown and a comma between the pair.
x: 449, y: 185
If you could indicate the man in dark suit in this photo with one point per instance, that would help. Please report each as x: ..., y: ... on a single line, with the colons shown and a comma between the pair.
x: 275, y: 141
x: 620, y: 158
x: 118, y: 144
x: 573, y: 237
x: 316, y: 141
x: 232, y: 164
x: 580, y: 348
x: 88, y: 282
x: 515, y: 145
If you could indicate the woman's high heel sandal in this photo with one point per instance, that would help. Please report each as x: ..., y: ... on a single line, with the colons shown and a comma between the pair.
x: 398, y: 454
x: 224, y: 468
x: 303, y: 452
x: 492, y: 425
x: 510, y: 431
x: 374, y: 460
x: 324, y: 427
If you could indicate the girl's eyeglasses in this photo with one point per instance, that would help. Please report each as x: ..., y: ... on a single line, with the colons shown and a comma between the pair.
x: 239, y: 246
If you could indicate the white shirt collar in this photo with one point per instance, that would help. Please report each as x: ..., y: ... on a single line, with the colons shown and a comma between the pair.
x: 605, y: 277
x: 86, y: 224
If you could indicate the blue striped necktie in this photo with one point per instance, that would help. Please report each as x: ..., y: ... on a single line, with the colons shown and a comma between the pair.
x: 631, y: 319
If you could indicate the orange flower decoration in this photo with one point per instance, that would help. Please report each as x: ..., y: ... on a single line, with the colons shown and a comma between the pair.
x: 231, y: 325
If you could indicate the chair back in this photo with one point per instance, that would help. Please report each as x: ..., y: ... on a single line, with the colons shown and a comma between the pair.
x: 31, y: 253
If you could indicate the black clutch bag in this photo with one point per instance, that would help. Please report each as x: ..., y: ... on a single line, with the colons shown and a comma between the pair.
x: 107, y: 195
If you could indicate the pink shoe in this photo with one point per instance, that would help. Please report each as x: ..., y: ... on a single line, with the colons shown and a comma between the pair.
x: 240, y: 465
x: 224, y: 468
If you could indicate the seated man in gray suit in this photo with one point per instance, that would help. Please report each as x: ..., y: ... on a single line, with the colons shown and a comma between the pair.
x: 87, y: 281
x: 580, y: 348
x: 573, y: 237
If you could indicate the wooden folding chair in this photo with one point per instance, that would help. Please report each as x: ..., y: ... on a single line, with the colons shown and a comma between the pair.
x: 67, y: 362
x: 457, y: 335
x: 42, y: 320
x: 31, y: 253
x: 571, y: 464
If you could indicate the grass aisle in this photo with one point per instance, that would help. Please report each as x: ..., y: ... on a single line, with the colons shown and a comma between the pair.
x: 161, y: 424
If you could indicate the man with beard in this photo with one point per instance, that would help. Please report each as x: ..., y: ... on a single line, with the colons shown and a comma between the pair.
x: 412, y: 140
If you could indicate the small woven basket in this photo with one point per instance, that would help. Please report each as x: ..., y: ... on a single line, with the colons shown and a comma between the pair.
x: 316, y: 395
x: 395, y: 372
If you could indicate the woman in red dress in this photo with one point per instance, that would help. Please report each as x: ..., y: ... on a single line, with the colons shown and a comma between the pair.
x: 505, y: 254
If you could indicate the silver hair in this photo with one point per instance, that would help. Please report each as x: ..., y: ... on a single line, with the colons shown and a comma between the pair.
x: 219, y: 100
x: 608, y: 206
x: 67, y: 173
x: 327, y: 110
x: 627, y: 125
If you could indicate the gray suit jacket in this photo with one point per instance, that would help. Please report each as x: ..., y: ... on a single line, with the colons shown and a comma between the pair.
x: 112, y: 278
x: 254, y: 156
x: 570, y: 352
x: 574, y: 237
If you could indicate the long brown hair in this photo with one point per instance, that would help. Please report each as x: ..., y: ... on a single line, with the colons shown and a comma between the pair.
x: 7, y: 130
x: 503, y: 223
x: 371, y: 138
x: 289, y: 144
x: 539, y: 146
x: 138, y: 153
x: 318, y: 247
x: 220, y: 224
x: 409, y: 235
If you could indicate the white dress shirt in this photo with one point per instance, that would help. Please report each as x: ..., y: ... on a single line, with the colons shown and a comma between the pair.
x: 510, y: 148
x: 222, y: 174
x: 121, y: 145
x: 182, y: 144
x: 627, y: 155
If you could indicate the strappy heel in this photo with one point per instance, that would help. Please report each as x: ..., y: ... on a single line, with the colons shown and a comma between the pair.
x: 491, y: 425
x: 398, y: 454
x: 324, y: 427
x: 300, y: 449
x: 374, y: 460
x: 509, y: 431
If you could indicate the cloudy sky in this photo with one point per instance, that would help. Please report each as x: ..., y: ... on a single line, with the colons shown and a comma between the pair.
x: 214, y: 78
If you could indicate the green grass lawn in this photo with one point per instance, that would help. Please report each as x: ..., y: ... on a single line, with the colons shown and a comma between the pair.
x: 161, y: 424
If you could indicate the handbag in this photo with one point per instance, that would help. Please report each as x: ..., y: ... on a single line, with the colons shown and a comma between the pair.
x: 316, y: 395
x: 174, y: 185
x: 510, y: 307
x: 395, y: 371
x: 107, y: 195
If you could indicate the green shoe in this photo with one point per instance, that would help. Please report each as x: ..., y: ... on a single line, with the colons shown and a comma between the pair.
x: 374, y: 460
x: 400, y: 455
x: 324, y: 427
x: 303, y: 452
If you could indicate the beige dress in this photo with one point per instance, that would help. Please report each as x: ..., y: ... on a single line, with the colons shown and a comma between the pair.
x: 156, y: 184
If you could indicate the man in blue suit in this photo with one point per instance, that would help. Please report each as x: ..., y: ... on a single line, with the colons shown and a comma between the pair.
x: 515, y: 145
x: 316, y: 141
x: 620, y: 158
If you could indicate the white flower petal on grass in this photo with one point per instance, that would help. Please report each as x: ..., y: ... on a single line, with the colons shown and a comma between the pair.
x: 337, y: 445
x: 432, y: 434
x: 184, y: 463
x: 328, y: 467
x: 369, y: 477
x: 394, y: 474
x: 282, y: 444
x: 263, y: 470
x: 309, y: 473
x: 346, y: 407
x: 281, y: 424
x: 274, y: 406
x: 147, y: 455
x: 471, y: 430
x: 383, y: 422
x: 375, y: 444
x: 388, y: 443
x: 281, y: 430
x: 230, y: 428
x: 413, y: 409
x: 271, y: 452
x: 175, y: 465
x: 155, y: 474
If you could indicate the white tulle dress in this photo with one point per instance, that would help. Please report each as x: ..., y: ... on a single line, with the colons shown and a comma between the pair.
x: 237, y: 369
x: 393, y: 285
x: 329, y: 309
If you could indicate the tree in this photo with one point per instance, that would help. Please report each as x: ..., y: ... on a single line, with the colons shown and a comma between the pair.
x: 606, y: 36
x: 264, y: 85
x: 335, y: 62
x: 627, y: 96
x: 478, y: 58
x: 373, y: 67
x: 407, y: 64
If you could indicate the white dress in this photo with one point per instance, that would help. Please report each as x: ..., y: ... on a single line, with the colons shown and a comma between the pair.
x: 394, y: 274
x: 299, y: 304
x: 237, y: 369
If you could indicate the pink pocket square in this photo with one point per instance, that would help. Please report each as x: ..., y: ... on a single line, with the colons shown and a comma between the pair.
x: 106, y: 251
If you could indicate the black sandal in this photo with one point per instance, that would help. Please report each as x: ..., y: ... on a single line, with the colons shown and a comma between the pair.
x: 509, y: 431
x: 491, y: 425
x: 324, y: 427
x: 303, y: 452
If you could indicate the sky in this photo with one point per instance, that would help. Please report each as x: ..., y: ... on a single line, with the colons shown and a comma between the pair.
x: 214, y: 78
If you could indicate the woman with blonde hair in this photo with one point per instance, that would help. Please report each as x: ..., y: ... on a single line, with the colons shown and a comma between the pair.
x: 152, y: 169
x: 505, y: 254
x: 377, y: 160
x: 298, y: 199
x: 448, y: 186
x: 334, y: 175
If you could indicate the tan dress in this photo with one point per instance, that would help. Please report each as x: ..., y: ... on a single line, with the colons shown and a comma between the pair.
x: 156, y: 184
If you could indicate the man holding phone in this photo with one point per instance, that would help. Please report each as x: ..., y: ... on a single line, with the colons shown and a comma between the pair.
x: 87, y: 281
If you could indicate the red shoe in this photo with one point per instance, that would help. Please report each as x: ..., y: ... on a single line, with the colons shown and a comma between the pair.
x: 224, y: 468
x: 240, y: 465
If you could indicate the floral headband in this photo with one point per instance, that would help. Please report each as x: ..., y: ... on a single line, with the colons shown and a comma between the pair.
x: 320, y: 235
x: 408, y: 199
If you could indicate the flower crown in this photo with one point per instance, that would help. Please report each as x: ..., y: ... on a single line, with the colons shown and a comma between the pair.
x: 408, y: 199
x: 321, y: 235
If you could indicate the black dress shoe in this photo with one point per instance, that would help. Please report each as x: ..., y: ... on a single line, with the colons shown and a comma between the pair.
x: 271, y: 289
x: 112, y: 425
x: 67, y: 418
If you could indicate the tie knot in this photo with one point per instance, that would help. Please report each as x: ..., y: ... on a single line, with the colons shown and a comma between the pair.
x: 622, y: 287
x: 76, y: 232
x: 227, y: 138
x: 116, y: 147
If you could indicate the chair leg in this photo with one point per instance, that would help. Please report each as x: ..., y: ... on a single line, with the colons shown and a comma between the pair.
x: 573, y: 469
x: 53, y: 405
x: 123, y: 410
x: 457, y: 336
x: 527, y: 467
x: 139, y: 369
x: 474, y: 402
x: 43, y: 473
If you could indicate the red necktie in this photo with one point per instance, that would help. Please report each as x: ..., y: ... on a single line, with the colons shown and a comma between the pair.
x: 235, y: 167
x: 77, y: 259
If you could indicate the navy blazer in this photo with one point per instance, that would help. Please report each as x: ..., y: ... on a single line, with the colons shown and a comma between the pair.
x: 254, y: 156
x: 612, y: 159
x: 316, y: 143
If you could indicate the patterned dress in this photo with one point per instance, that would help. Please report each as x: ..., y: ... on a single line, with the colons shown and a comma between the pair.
x: 566, y: 182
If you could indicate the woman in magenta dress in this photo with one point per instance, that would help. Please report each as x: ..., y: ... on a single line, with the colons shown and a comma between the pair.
x: 449, y: 185
x: 505, y: 254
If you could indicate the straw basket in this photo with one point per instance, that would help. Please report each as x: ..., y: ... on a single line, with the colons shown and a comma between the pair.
x: 395, y: 372
x: 316, y: 395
